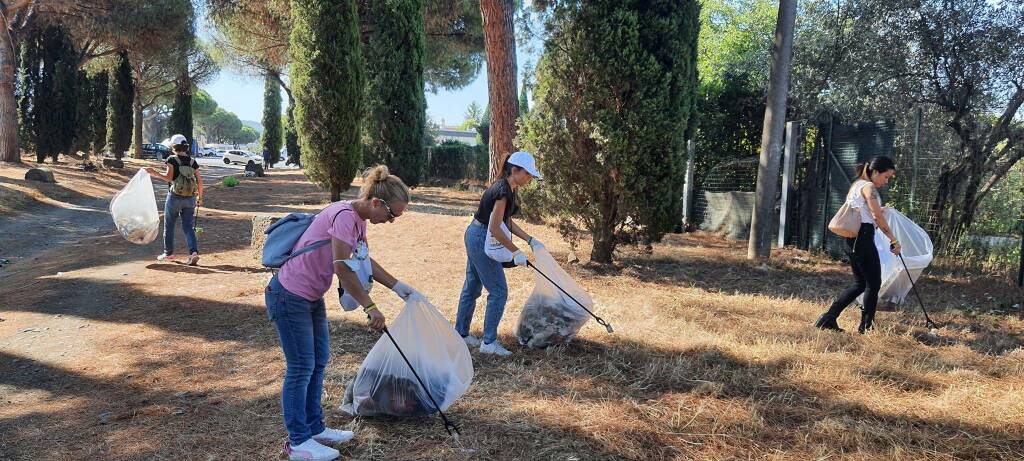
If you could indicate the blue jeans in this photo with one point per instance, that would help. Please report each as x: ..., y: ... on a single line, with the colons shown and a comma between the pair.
x: 481, y: 271
x: 302, y: 328
x: 186, y: 207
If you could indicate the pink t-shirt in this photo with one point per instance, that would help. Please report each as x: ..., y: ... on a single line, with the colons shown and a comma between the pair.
x: 309, y: 274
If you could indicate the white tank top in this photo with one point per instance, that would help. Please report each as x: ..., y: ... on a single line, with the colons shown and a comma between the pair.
x: 855, y: 199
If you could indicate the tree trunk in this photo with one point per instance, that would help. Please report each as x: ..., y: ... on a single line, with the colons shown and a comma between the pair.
x: 137, y: 126
x: 499, y: 41
x: 956, y: 201
x: 9, y: 148
x: 760, y: 245
x: 603, y: 231
x: 335, y: 191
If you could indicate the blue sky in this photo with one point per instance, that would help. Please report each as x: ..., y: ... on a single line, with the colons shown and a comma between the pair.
x: 243, y: 95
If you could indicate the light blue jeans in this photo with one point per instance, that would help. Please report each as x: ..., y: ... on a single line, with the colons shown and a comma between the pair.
x: 302, y: 328
x: 185, y: 207
x: 481, y: 272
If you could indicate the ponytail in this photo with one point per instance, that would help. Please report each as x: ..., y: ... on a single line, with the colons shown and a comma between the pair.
x: 879, y: 164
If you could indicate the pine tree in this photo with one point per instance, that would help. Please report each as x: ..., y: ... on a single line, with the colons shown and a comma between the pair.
x: 122, y: 94
x: 328, y: 83
x: 397, y: 105
x: 271, y: 139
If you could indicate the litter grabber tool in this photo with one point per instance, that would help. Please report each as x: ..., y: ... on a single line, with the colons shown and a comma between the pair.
x: 928, y: 321
x: 448, y: 424
x: 599, y: 320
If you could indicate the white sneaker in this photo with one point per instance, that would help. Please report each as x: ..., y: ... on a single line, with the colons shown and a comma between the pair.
x: 494, y: 348
x: 471, y: 340
x: 193, y: 259
x: 310, y: 450
x: 332, y: 436
x: 165, y: 257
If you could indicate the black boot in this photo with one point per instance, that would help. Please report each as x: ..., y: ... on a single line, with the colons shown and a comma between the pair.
x: 827, y: 322
x: 866, y: 320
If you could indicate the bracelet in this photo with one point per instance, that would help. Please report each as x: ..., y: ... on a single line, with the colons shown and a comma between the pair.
x: 370, y: 308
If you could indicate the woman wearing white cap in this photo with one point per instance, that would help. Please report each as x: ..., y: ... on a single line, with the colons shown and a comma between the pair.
x: 184, y: 194
x: 492, y: 227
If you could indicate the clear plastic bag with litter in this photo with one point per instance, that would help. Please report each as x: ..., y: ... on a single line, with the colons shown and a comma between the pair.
x: 917, y: 250
x: 549, y: 317
x: 134, y: 210
x: 384, y: 384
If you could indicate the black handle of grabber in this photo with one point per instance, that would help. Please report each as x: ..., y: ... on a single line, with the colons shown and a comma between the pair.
x: 928, y: 321
x: 600, y: 321
x: 448, y: 425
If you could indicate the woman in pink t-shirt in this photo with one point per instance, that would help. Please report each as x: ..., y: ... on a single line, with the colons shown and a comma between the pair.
x: 295, y: 303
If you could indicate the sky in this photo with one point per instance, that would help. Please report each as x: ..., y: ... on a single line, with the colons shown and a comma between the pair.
x: 243, y: 95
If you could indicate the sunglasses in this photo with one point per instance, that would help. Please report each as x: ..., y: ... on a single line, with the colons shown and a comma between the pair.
x: 391, y: 214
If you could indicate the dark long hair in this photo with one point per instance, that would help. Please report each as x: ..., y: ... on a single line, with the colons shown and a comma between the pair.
x: 879, y: 164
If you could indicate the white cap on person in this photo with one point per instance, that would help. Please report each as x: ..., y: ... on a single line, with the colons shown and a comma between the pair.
x: 178, y: 140
x: 525, y: 161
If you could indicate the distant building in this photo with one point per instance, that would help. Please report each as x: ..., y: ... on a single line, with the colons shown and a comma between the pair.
x: 452, y: 133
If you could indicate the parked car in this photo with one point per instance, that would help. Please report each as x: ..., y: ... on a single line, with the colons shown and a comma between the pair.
x: 207, y: 152
x: 242, y: 157
x: 159, y: 151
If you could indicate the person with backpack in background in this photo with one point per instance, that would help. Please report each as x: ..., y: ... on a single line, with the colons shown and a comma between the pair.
x: 863, y: 198
x: 492, y: 225
x: 184, y: 195
x: 333, y: 245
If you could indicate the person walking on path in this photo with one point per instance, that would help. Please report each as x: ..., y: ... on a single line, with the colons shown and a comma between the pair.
x: 867, y: 270
x: 184, y: 194
x: 295, y: 304
x: 494, y: 218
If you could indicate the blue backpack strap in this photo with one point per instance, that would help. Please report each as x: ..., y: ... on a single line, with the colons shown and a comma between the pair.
x: 314, y: 245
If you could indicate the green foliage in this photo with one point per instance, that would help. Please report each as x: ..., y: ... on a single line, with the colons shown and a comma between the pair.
x: 247, y: 135
x: 731, y: 111
x: 736, y: 38
x: 396, y: 105
x: 524, y: 101
x: 327, y: 83
x: 55, y: 95
x: 454, y: 160
x: 230, y: 181
x: 203, y: 104
x: 615, y: 94
x: 100, y: 84
x: 29, y: 76
x: 483, y: 129
x: 291, y: 139
x: 272, y: 132
x: 122, y: 94
x: 83, y: 109
x: 181, y: 121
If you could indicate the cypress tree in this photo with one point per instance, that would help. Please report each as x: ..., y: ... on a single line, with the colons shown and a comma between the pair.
x: 181, y: 112
x: 83, y: 113
x: 397, y: 105
x: 98, y: 112
x: 55, y: 95
x: 633, y: 172
x: 524, y: 102
x: 271, y: 139
x: 483, y: 130
x: 328, y: 83
x: 29, y: 75
x: 291, y: 138
x: 122, y: 94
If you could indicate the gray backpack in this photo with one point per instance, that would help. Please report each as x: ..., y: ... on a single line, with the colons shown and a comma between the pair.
x: 185, y: 184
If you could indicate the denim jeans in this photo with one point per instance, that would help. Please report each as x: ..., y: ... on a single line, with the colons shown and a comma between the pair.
x: 186, y: 207
x: 302, y: 329
x: 481, y: 272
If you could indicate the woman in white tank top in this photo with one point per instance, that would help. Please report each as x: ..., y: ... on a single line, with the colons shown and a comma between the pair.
x: 867, y: 269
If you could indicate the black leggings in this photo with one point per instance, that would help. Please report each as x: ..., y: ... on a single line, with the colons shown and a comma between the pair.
x: 867, y: 272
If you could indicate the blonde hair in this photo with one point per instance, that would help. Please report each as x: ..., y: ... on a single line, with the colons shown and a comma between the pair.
x: 378, y: 182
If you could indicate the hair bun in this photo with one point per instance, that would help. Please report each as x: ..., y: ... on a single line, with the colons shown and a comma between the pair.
x: 379, y: 173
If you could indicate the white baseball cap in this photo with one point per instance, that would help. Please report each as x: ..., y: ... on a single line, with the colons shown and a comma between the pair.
x: 525, y: 161
x: 178, y: 139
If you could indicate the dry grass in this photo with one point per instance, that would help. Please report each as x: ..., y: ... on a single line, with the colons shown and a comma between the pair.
x: 713, y: 358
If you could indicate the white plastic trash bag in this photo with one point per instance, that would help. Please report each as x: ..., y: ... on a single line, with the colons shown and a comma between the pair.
x: 134, y: 210
x: 549, y: 317
x: 384, y: 384
x: 917, y: 250
x: 495, y: 250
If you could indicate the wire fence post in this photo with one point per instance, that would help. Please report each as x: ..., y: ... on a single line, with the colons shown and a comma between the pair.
x: 913, y: 165
x: 788, y: 171
x: 691, y: 151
